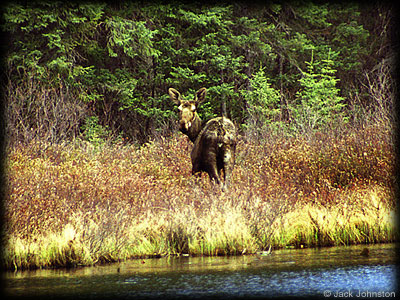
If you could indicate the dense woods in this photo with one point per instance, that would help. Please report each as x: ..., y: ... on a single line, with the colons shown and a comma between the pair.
x: 97, y: 70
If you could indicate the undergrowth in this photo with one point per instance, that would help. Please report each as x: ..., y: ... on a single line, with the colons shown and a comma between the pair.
x: 75, y: 204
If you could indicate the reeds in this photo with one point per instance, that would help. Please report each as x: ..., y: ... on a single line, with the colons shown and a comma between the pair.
x: 72, y: 204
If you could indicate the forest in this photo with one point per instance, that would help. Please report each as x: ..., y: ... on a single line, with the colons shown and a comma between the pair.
x: 97, y: 171
x: 99, y: 70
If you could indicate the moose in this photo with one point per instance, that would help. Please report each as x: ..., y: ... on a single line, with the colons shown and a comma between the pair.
x: 214, y: 141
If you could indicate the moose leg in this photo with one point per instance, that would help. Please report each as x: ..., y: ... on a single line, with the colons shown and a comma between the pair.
x: 195, y: 168
x: 227, y: 177
x: 228, y: 163
x: 213, y: 173
x: 208, y: 165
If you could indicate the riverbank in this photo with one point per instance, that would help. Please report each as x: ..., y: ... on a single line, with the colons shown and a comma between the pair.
x: 341, y: 268
x: 77, y: 204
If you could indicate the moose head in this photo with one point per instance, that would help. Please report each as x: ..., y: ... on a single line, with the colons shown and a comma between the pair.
x: 189, y: 120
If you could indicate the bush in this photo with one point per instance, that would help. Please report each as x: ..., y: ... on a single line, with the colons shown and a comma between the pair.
x: 69, y: 206
x: 93, y: 132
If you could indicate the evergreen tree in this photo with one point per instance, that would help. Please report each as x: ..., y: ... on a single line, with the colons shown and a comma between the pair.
x: 318, y: 101
x: 68, y: 63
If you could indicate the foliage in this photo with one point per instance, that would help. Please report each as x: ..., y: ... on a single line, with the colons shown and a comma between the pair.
x: 263, y: 104
x: 319, y: 103
x: 116, y: 61
x: 79, y: 75
x: 69, y: 205
x: 94, y: 132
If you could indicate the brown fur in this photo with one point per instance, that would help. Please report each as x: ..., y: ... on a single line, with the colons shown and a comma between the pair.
x: 214, y: 143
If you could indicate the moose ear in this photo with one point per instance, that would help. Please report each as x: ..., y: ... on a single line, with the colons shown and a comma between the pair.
x: 175, y: 95
x: 200, y: 95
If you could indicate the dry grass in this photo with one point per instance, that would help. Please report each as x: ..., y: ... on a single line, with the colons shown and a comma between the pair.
x: 79, y: 205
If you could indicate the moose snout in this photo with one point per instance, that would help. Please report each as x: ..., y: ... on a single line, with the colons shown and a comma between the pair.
x: 184, y: 126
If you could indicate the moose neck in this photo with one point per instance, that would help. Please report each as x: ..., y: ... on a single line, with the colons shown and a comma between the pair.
x: 195, y: 129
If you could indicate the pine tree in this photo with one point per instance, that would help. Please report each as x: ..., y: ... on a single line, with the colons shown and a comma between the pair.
x: 319, y: 103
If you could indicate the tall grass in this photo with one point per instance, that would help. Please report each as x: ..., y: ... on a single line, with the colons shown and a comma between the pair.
x: 76, y: 204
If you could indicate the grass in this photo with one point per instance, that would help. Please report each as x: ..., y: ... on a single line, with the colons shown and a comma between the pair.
x: 76, y: 204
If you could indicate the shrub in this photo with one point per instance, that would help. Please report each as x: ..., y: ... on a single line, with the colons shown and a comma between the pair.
x: 93, y: 132
x: 69, y: 205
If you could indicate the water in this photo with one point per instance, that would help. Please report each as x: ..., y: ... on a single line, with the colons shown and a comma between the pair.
x: 337, y: 272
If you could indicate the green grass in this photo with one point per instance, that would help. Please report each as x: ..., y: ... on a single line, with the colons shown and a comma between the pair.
x: 75, y: 204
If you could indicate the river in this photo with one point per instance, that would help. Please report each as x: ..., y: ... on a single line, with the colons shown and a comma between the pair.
x: 331, y: 273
